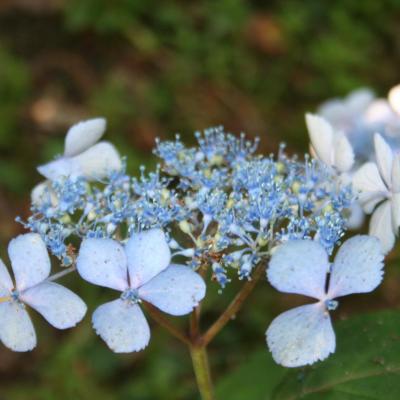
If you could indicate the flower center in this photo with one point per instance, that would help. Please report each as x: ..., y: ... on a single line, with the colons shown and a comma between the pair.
x: 14, y: 295
x: 131, y: 295
x: 331, y: 305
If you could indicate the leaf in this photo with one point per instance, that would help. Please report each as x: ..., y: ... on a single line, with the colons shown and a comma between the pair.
x: 366, y: 364
x: 257, y: 376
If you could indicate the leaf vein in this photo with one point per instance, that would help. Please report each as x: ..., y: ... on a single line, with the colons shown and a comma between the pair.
x: 331, y: 385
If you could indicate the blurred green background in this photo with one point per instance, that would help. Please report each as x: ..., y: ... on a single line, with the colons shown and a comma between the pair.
x: 154, y: 68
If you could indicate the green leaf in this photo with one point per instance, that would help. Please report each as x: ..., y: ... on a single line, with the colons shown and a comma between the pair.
x: 257, y: 376
x: 366, y: 364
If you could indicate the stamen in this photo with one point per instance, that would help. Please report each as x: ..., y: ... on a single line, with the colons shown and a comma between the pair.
x: 131, y: 295
x: 331, y: 305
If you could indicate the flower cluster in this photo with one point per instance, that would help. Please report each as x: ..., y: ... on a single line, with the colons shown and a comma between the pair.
x: 229, y: 205
x: 217, y: 208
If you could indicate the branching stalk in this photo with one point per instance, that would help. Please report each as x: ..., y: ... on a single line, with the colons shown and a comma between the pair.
x: 164, y: 322
x: 234, y: 306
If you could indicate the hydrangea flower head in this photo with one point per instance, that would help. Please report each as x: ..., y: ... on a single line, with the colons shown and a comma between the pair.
x: 304, y: 334
x: 57, y: 304
x: 140, y: 270
x: 230, y: 204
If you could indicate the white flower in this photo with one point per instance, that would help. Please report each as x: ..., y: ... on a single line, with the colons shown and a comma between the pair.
x: 328, y: 145
x: 380, y: 183
x: 141, y: 271
x: 333, y: 148
x: 304, y: 334
x: 83, y: 156
x: 57, y: 304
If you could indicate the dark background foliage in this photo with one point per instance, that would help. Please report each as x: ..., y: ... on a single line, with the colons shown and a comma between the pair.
x: 154, y: 68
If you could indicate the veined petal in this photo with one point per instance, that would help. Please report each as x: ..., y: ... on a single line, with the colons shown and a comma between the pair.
x: 321, y: 136
x: 343, y: 153
x: 98, y: 161
x: 176, y: 290
x: 148, y: 254
x: 368, y: 182
x: 384, y: 158
x: 29, y: 260
x: 299, y: 266
x: 381, y: 226
x: 83, y: 135
x: 358, y: 267
x: 16, y: 329
x: 61, y: 307
x: 301, y: 336
x: 370, y: 200
x: 122, y: 326
x: 368, y: 179
x: 103, y: 262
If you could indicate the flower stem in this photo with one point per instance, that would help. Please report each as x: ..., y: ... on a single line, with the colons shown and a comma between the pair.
x: 234, y: 306
x: 196, y: 342
x: 194, y: 323
x: 164, y: 322
x: 202, y: 371
x: 62, y: 273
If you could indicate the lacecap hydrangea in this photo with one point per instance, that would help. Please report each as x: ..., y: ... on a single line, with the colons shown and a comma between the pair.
x: 219, y: 210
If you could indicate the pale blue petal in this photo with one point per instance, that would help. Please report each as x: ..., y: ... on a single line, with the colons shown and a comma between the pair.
x: 301, y: 336
x: 61, y: 167
x: 16, y: 329
x: 122, y: 326
x: 381, y: 226
x: 59, y: 306
x: 176, y: 290
x: 83, y: 135
x: 299, y: 266
x: 97, y: 162
x: 358, y: 267
x: 103, y: 262
x: 29, y: 260
x: 6, y: 284
x: 148, y: 254
x: 384, y: 158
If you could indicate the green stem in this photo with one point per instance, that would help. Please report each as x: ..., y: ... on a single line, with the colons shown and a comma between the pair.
x: 202, y: 371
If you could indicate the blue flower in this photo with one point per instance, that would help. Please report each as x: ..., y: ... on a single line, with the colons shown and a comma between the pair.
x: 304, y: 334
x: 57, y: 304
x: 140, y: 270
